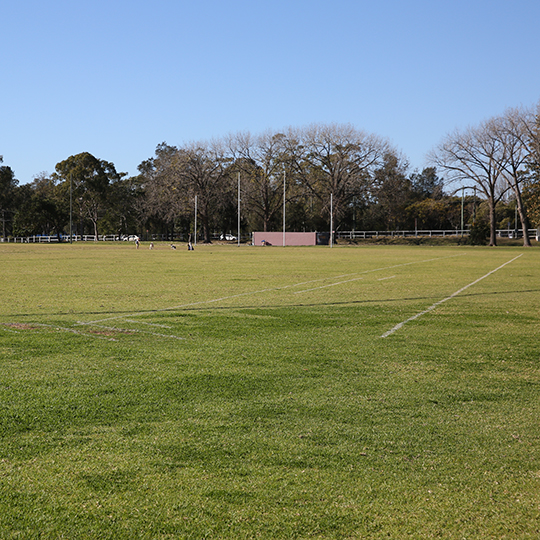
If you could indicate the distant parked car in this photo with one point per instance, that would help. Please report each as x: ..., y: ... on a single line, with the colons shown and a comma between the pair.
x: 227, y: 237
x: 130, y: 238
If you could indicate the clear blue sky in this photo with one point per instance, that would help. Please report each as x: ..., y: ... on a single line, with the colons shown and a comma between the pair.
x: 116, y: 77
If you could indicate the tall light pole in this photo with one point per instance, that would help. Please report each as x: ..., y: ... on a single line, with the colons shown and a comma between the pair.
x: 239, y: 209
x: 462, y: 203
x: 331, y: 220
x: 474, y: 208
x: 70, y: 208
x: 284, y: 191
x: 195, y: 231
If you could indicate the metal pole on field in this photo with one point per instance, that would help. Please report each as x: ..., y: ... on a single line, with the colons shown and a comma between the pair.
x: 238, y: 209
x: 462, y: 202
x: 474, y: 208
x: 195, y: 231
x: 70, y: 208
x: 283, y: 208
x: 331, y: 220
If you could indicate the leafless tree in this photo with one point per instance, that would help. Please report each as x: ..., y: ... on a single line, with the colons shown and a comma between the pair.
x: 261, y: 161
x: 335, y: 159
x: 203, y: 167
x: 530, y: 128
x: 512, y: 129
x: 475, y: 157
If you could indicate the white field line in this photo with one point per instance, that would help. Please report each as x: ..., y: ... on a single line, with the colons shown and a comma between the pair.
x: 430, y: 308
x: 120, y: 330
x: 148, y: 324
x: 202, y: 302
x: 330, y: 285
x: 130, y: 330
x: 383, y: 278
x: 73, y: 331
x: 371, y: 271
x: 10, y: 330
x: 249, y: 293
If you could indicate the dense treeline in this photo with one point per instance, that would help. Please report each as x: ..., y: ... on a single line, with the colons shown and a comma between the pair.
x: 310, y: 171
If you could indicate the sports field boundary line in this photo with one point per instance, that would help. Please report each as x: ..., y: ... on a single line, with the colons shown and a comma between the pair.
x: 73, y: 331
x: 3, y: 327
x: 329, y: 285
x: 436, y: 304
x: 383, y: 278
x: 373, y: 270
x: 135, y: 331
x: 260, y: 291
x: 202, y: 302
x: 148, y: 324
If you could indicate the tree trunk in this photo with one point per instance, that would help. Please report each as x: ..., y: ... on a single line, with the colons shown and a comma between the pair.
x: 524, y: 220
x: 206, y: 228
x: 94, y: 221
x: 492, y: 223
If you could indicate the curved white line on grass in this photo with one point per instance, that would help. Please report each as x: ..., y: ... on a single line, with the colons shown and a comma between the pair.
x: 133, y: 330
x: 73, y: 331
x: 111, y: 328
x: 214, y: 300
x: 10, y: 330
x: 430, y: 308
x: 383, y: 278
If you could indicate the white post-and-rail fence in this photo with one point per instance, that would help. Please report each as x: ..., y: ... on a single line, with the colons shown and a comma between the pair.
x: 362, y: 235
x: 344, y: 235
x: 44, y: 239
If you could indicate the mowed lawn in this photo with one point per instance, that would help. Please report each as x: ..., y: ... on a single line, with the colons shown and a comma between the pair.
x: 248, y: 392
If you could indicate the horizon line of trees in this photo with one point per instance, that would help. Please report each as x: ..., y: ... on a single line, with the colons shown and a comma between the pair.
x: 302, y: 169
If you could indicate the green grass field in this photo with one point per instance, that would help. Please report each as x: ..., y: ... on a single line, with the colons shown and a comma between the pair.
x: 249, y: 392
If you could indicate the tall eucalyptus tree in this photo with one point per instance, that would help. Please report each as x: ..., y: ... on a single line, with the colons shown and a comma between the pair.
x: 261, y: 162
x: 335, y: 160
x: 204, y: 169
x: 166, y: 197
x: 91, y: 178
